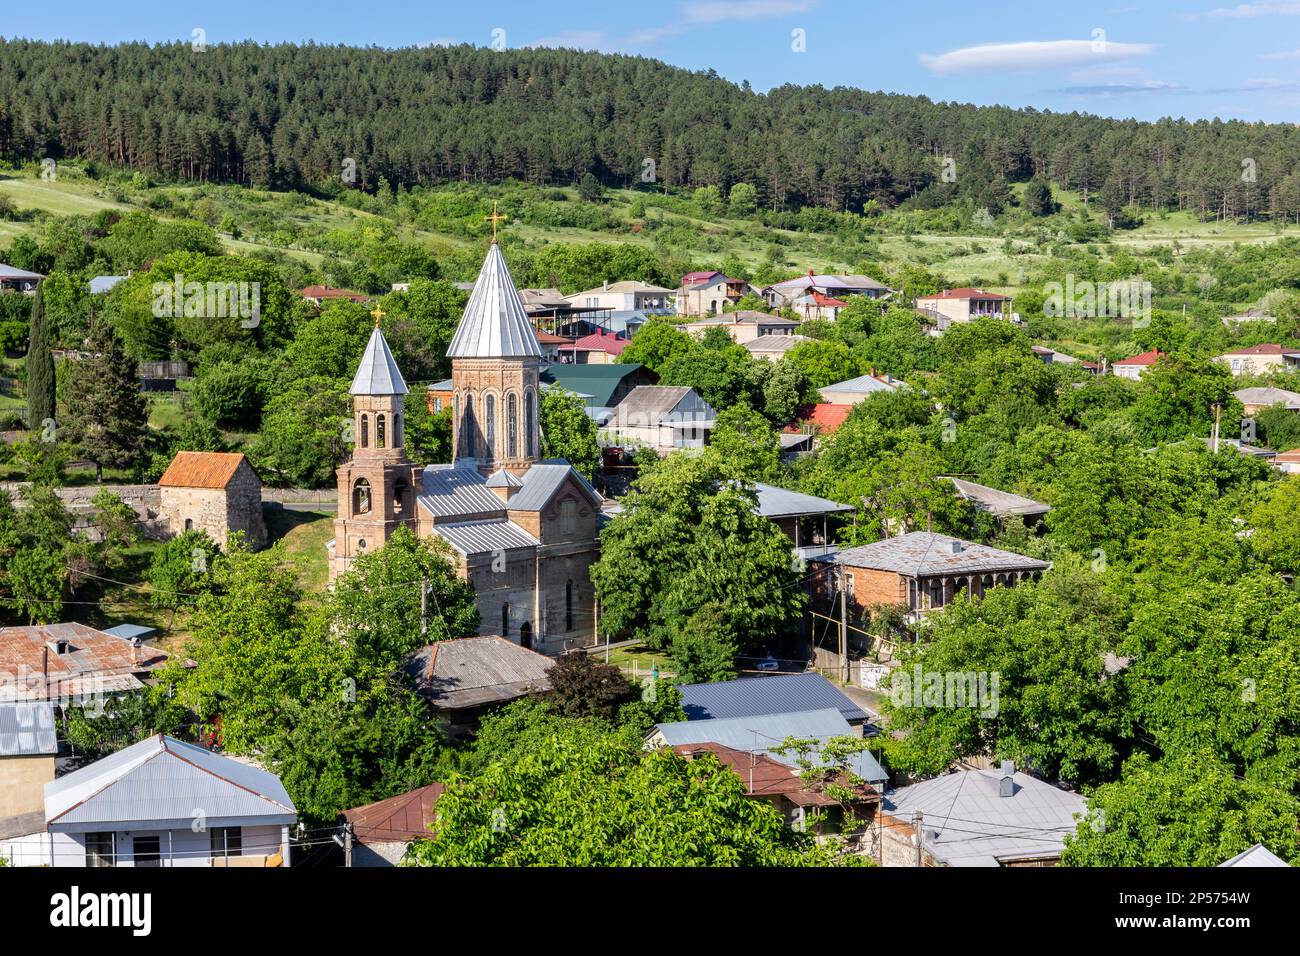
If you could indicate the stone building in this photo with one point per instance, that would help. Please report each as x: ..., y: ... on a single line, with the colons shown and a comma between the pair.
x: 216, y: 492
x: 523, y: 530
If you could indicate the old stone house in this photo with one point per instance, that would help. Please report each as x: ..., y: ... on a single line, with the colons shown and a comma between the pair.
x: 216, y: 492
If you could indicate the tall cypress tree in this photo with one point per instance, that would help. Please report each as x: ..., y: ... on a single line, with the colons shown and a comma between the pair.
x: 104, y: 412
x: 40, y: 365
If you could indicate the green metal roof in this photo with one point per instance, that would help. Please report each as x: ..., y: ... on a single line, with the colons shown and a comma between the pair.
x: 596, y: 381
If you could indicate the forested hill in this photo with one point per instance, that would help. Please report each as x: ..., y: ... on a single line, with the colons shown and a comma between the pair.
x: 287, y: 116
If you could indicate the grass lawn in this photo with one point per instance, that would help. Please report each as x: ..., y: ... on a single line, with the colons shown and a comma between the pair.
x: 639, y: 660
x: 304, y: 534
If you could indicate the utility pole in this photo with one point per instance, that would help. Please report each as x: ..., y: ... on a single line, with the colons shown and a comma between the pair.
x: 424, y: 607
x: 917, y: 818
x: 1217, y: 409
x: 844, y: 627
x: 347, y: 844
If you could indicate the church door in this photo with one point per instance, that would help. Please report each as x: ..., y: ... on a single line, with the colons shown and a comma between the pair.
x: 526, y: 634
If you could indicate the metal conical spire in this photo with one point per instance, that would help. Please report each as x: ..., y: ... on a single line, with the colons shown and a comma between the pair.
x: 378, y: 373
x: 495, y: 324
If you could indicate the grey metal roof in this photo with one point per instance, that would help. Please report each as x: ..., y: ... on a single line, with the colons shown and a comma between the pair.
x: 998, y: 502
x: 543, y: 480
x: 13, y: 272
x: 775, y: 343
x: 864, y: 384
x: 1268, y: 396
x: 130, y: 631
x: 480, y: 537
x: 503, y: 479
x: 774, y: 502
x: 450, y: 491
x: 494, y: 324
x: 651, y: 403
x: 1257, y: 855
x: 921, y: 553
x: 378, y: 373
x: 471, y: 671
x: 967, y: 823
x: 27, y: 729
x: 779, y: 694
x: 762, y: 733
x: 163, y: 781
x: 100, y: 284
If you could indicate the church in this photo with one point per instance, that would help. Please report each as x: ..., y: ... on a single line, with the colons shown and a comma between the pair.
x: 523, y: 530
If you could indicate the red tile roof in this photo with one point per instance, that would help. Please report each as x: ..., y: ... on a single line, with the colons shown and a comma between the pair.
x: 548, y: 338
x: 824, y: 417
x: 765, y: 777
x: 966, y: 292
x: 827, y: 300
x: 398, y: 819
x: 1268, y: 348
x: 1289, y: 456
x: 1146, y: 358
x: 201, y: 469
x: 693, y: 277
x: 599, y: 341
x: 93, y: 662
x: 325, y: 292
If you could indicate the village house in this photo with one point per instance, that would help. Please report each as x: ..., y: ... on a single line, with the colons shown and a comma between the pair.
x: 465, y: 678
x: 840, y: 287
x: 707, y: 293
x: 626, y: 296
x: 919, y: 572
x: 1261, y: 359
x: 599, y: 348
x: 808, y: 521
x: 18, y: 280
x: 28, y: 745
x: 821, y: 419
x: 522, y: 531
x: 600, y: 386
x: 773, y: 348
x: 1135, y: 366
x: 777, y: 694
x: 1250, y: 315
x: 963, y: 305
x: 1052, y: 357
x: 379, y: 834
x: 215, y: 492
x: 160, y: 803
x: 71, y: 663
x: 1254, y: 400
x: 999, y: 503
x: 661, y: 417
x: 744, y: 326
x: 1288, y: 462
x: 854, y: 390
x: 996, y: 817
x: 320, y: 294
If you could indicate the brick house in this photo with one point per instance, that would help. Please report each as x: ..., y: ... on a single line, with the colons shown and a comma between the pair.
x: 216, y: 492
x: 921, y: 571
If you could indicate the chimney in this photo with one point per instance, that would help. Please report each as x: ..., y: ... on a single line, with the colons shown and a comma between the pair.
x: 1007, y: 783
x: 957, y: 547
x: 605, y: 287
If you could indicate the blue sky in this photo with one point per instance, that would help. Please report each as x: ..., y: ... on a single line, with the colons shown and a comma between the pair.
x: 1196, y: 58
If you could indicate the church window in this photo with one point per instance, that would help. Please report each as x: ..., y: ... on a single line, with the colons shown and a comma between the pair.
x: 361, y: 497
x: 397, y: 430
x: 526, y: 634
x: 512, y: 426
x: 365, y: 431
x: 490, y: 413
x: 505, y: 620
x: 568, y: 605
x: 361, y: 546
x: 568, y: 515
x: 467, y: 426
x: 530, y: 441
x: 379, y: 432
x: 399, y: 497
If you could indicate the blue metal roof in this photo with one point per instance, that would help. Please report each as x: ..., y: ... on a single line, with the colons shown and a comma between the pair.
x: 130, y: 631
x: 754, y: 696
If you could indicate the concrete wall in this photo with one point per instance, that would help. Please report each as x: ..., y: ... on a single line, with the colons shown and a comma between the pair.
x: 181, y: 847
x: 22, y: 784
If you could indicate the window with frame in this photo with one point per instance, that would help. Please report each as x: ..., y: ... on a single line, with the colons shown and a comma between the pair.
x: 100, y: 849
x: 146, y: 851
x: 227, y: 841
x: 490, y: 414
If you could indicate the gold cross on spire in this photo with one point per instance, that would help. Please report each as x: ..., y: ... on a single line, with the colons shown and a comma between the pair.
x: 494, y: 219
x: 378, y: 314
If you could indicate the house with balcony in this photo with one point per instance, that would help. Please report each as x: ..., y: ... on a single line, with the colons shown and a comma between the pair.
x: 963, y: 305
x: 664, y: 418
x: 744, y: 326
x: 785, y: 294
x: 18, y: 280
x: 709, y: 295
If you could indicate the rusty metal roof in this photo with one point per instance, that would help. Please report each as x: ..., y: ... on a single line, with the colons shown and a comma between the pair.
x: 31, y: 668
x: 922, y: 553
x: 398, y: 819
x: 471, y: 671
x: 201, y: 469
x: 765, y: 777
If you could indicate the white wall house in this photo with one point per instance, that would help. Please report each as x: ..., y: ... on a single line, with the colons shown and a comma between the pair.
x: 159, y: 803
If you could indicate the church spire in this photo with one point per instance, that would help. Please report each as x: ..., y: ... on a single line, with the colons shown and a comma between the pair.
x: 494, y: 324
x: 378, y: 373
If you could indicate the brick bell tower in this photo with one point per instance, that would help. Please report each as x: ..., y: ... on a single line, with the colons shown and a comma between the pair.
x: 495, y: 363
x: 379, y: 484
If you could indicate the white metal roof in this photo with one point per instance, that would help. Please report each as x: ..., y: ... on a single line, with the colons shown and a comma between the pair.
x: 483, y: 537
x: 27, y: 729
x: 378, y: 373
x: 1257, y: 855
x: 162, y: 781
x: 494, y: 324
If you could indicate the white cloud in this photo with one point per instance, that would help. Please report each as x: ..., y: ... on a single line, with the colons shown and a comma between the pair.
x: 437, y: 41
x: 576, y: 40
x: 1281, y: 55
x: 1032, y: 55
x: 1123, y: 89
x: 727, y: 11
x: 1249, y: 11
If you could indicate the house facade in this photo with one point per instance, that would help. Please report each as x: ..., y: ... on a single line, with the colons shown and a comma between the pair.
x: 744, y: 326
x: 1261, y: 359
x: 709, y: 296
x: 1135, y: 366
x: 662, y: 417
x: 964, y: 305
x: 522, y: 530
x: 28, y: 745
x: 628, y: 296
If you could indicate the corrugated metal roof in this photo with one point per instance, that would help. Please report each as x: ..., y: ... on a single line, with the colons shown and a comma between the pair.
x: 27, y: 729
x: 398, y: 819
x: 775, y: 343
x: 92, y: 663
x: 452, y: 491
x: 864, y: 384
x: 967, y: 823
x: 479, y: 537
x: 543, y: 480
x: 163, y: 780
x: 1257, y: 855
x: 774, y: 502
x: 471, y: 671
x: 921, y: 553
x: 1268, y: 396
x: 12, y: 272
x: 598, y: 382
x: 998, y: 502
x: 130, y: 632
x: 202, y: 469
x: 378, y: 373
x: 651, y: 403
x: 762, y: 733
x: 778, y: 694
x: 494, y: 324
